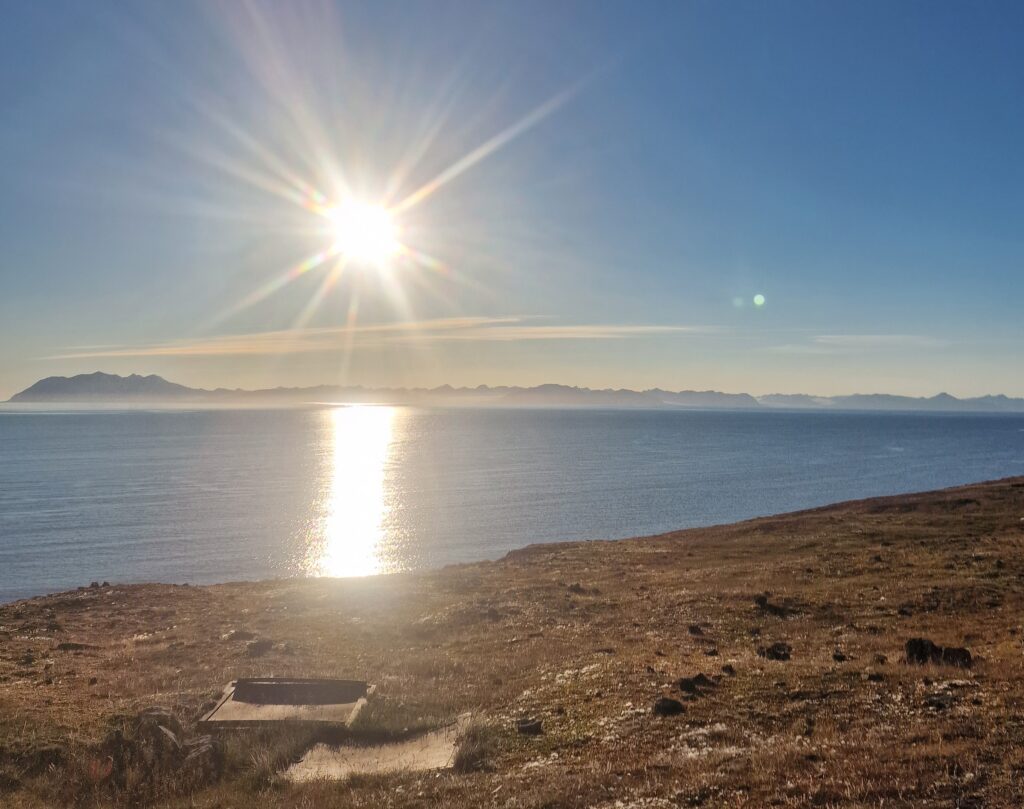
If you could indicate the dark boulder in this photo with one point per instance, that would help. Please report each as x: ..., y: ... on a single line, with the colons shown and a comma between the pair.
x: 956, y: 656
x: 922, y: 650
x: 666, y: 706
x: 777, y: 651
x: 697, y: 685
x: 529, y: 726
x: 766, y: 606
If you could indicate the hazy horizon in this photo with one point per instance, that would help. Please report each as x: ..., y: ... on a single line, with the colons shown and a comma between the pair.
x: 740, y: 197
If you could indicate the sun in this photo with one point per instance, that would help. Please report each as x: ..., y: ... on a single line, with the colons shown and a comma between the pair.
x: 363, y: 233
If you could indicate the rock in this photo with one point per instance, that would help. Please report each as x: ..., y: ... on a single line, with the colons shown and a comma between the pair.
x: 696, y: 630
x: 204, y: 759
x: 666, y: 706
x: 577, y: 588
x: 839, y: 657
x: 922, y: 650
x: 957, y: 656
x: 695, y: 685
x: 877, y: 558
x: 880, y: 659
x: 157, y: 716
x: 238, y: 634
x: 772, y: 609
x: 529, y: 726
x: 94, y: 585
x: 711, y: 651
x: 729, y: 670
x: 777, y: 651
x: 874, y: 677
x: 93, y: 681
x: 257, y: 648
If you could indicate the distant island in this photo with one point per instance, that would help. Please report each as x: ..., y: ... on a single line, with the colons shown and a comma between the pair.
x: 101, y: 388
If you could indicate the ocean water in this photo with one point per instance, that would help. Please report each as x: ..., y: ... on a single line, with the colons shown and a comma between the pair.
x: 212, y: 495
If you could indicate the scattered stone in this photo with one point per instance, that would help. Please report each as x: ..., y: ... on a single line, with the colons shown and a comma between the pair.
x: 258, y: 648
x: 529, y: 726
x: 729, y: 670
x: 158, y: 716
x: 839, y: 657
x: 696, y: 630
x: 874, y: 677
x: 152, y: 746
x: 922, y: 650
x: 904, y: 611
x: 696, y: 685
x: 711, y: 651
x: 880, y: 659
x: 238, y: 634
x: 93, y: 681
x: 877, y: 558
x: 777, y: 651
x: 204, y: 759
x: 766, y: 606
x: 666, y: 706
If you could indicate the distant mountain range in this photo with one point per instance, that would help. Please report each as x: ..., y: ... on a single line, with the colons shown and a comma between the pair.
x: 100, y: 388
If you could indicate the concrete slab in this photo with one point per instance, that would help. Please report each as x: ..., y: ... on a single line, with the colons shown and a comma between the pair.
x: 431, y: 751
x: 265, y: 701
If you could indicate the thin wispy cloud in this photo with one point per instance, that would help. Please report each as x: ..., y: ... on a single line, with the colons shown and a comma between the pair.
x: 317, y: 340
x: 826, y: 344
x: 880, y: 341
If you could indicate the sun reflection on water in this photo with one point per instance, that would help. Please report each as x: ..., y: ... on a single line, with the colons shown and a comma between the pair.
x: 355, y: 505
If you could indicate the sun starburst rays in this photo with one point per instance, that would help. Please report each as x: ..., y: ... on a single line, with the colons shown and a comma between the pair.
x: 310, y: 156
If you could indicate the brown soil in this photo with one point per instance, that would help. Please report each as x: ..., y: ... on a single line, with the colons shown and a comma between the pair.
x: 584, y: 637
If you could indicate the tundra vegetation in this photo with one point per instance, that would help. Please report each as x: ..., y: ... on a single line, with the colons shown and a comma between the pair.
x: 862, y: 654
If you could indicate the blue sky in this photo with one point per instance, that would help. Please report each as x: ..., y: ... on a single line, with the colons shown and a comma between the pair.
x: 627, y: 177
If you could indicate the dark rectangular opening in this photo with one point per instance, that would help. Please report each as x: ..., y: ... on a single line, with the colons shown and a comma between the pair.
x: 281, y: 691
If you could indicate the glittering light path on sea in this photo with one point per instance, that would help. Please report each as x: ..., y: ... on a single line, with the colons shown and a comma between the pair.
x: 348, y: 543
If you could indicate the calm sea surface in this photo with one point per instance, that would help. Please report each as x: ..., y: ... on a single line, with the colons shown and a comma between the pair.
x: 208, y: 496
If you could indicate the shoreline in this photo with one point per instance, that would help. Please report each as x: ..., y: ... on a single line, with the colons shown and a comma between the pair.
x: 567, y: 542
x: 586, y: 637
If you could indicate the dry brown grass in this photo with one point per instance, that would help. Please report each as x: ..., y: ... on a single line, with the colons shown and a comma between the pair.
x: 518, y: 638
